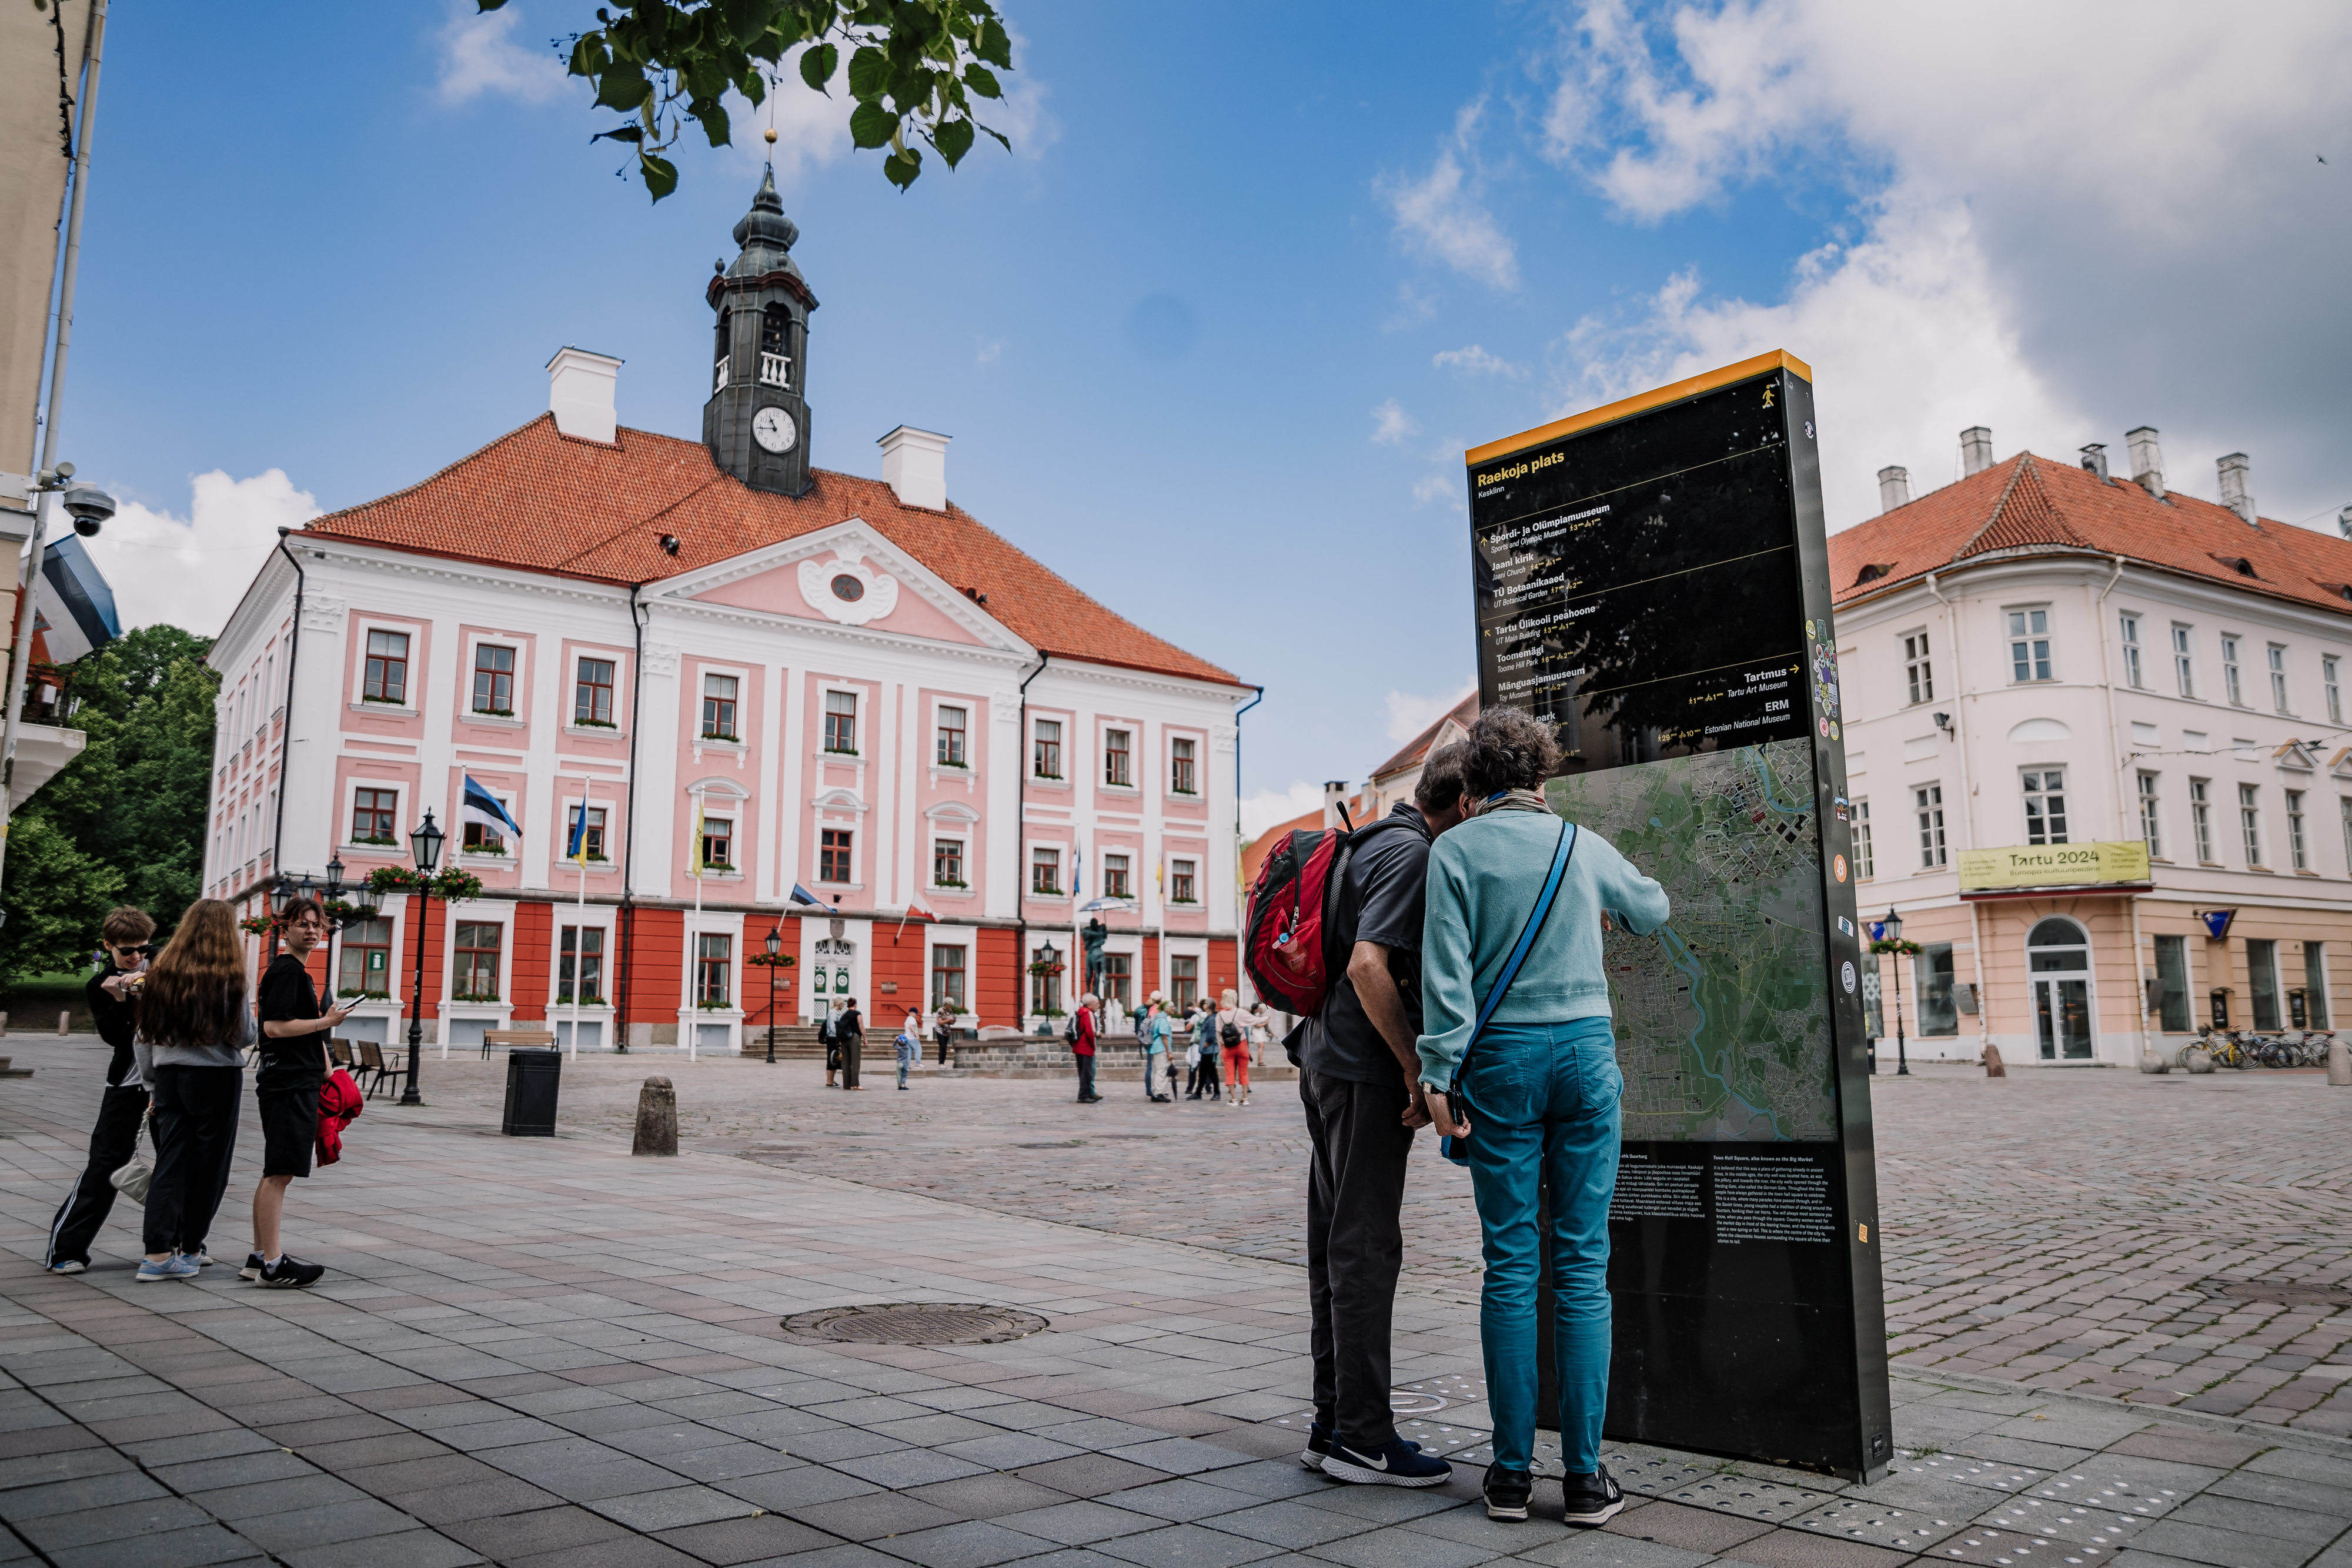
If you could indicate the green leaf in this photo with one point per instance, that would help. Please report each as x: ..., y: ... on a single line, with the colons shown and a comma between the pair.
x: 871, y: 125
x: 588, y: 57
x: 993, y: 46
x: 622, y: 87
x: 817, y: 65
x: 901, y: 168
x: 870, y: 73
x: 747, y: 19
x: 489, y: 5
x: 953, y: 139
x: 981, y: 80
x: 626, y: 133
x: 660, y: 173
x: 712, y: 115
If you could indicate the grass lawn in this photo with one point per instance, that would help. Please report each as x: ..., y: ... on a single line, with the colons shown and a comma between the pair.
x: 33, y: 1003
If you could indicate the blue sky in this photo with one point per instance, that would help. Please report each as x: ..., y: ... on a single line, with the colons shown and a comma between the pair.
x: 1211, y: 340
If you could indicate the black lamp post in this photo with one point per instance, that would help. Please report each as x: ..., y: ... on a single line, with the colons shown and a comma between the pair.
x: 1893, y: 930
x: 775, y: 945
x: 281, y: 895
x: 425, y: 844
x: 1049, y: 955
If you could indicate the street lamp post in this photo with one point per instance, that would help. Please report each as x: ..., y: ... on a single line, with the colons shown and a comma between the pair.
x: 425, y: 844
x: 1892, y: 929
x: 775, y: 945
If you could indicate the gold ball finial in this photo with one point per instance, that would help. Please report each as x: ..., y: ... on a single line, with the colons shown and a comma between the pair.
x: 771, y: 134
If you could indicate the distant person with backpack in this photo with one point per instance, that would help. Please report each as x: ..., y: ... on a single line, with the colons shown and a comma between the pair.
x: 1232, y: 1039
x: 1518, y: 1053
x: 850, y: 1031
x: 1080, y: 1032
x: 1151, y: 1031
x: 1359, y: 1081
x: 1204, y: 1032
x: 827, y: 1031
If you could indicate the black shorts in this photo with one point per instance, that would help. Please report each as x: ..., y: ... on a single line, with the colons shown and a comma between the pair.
x: 289, y: 1131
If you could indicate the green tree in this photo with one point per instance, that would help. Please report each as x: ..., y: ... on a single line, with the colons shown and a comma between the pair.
x: 914, y: 68
x: 56, y: 894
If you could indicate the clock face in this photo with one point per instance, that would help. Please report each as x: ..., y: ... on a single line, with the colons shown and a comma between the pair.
x: 774, y: 429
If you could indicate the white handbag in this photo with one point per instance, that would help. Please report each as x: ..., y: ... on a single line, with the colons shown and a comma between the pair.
x: 131, y: 1180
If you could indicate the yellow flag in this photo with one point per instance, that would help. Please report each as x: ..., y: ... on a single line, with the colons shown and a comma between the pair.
x: 697, y: 838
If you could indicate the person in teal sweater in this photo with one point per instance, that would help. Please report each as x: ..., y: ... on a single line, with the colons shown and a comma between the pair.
x: 1542, y: 1085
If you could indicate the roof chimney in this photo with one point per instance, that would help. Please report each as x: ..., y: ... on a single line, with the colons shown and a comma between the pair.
x: 1894, y: 489
x: 2238, y: 484
x: 1975, y: 449
x: 2148, y: 460
x: 2344, y: 522
x: 580, y: 394
x: 1335, y: 791
x: 915, y: 465
x: 2094, y: 461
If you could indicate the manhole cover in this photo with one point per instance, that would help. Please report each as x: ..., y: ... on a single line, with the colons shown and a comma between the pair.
x: 2279, y: 1292
x: 915, y: 1323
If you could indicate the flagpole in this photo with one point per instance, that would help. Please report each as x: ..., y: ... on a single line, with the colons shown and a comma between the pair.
x: 694, y: 933
x: 580, y: 923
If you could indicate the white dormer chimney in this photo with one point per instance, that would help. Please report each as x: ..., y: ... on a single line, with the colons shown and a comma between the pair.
x: 2344, y: 522
x: 915, y: 465
x: 580, y: 394
x: 2148, y: 460
x: 2238, y: 484
x: 1975, y: 449
x: 1894, y: 489
x: 1335, y: 791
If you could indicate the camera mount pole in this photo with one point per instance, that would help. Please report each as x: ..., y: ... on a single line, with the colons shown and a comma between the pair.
x: 20, y: 648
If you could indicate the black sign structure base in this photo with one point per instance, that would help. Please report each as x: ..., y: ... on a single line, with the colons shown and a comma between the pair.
x: 1652, y: 578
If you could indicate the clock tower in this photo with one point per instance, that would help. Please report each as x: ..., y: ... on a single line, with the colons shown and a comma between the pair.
x: 756, y: 422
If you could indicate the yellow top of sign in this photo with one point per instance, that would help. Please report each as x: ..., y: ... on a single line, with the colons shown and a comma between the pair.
x: 1657, y: 397
x: 2053, y: 865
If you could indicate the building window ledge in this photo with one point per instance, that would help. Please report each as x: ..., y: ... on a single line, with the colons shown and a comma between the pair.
x: 1039, y: 781
x: 844, y: 887
x: 2306, y: 872
x: 1120, y: 788
x: 486, y: 859
x: 722, y: 873
x: 495, y: 721
x: 387, y: 852
x: 388, y: 710
x: 594, y: 731
x: 1033, y: 896
x: 966, y: 894
x: 944, y: 770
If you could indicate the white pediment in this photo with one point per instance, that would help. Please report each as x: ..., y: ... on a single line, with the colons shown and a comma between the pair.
x: 2039, y: 729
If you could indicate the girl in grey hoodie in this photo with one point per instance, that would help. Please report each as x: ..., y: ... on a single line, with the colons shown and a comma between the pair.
x: 195, y: 1019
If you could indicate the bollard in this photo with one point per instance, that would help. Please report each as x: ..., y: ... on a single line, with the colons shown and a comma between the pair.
x: 2339, y: 1062
x: 656, y: 1119
x: 4, y: 1026
x: 2149, y: 1061
x: 1993, y: 1069
x: 65, y: 1021
x: 2199, y: 1061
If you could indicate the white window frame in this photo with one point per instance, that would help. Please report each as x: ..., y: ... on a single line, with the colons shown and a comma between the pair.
x: 826, y: 693
x: 965, y: 707
x: 2029, y: 795
x: 1061, y: 853
x: 1064, y: 723
x: 742, y: 677
x: 2201, y: 819
x: 2249, y: 824
x: 1918, y: 667
x: 1935, y: 846
x: 466, y: 712
x: 2298, y: 848
x: 505, y: 798
x: 2232, y: 682
x: 962, y: 843
x: 410, y: 707
x: 2331, y: 679
x: 2275, y: 660
x: 2127, y: 625
x: 619, y: 659
x: 2184, y: 658
x: 402, y: 806
x: 1134, y: 732
x: 2041, y: 665
x: 1865, y: 859
x: 2151, y: 813
x: 1200, y: 739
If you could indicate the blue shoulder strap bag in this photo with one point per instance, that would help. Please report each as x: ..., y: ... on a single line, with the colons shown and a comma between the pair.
x: 1456, y: 1147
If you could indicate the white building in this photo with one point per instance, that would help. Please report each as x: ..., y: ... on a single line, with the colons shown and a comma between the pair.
x: 738, y: 664
x: 2042, y: 659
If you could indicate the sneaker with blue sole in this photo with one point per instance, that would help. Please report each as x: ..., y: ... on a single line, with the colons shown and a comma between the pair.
x: 1396, y: 1463
x: 176, y: 1267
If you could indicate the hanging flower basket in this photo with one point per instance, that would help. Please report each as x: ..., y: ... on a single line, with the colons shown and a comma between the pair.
x: 1042, y: 968
x: 258, y: 924
x: 449, y: 885
x: 772, y: 960
x: 1909, y: 950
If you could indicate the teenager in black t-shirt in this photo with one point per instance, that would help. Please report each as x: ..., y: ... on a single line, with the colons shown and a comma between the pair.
x: 293, y: 1070
x: 113, y: 997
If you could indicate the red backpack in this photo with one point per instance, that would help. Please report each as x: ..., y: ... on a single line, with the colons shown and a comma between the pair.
x: 1286, y: 945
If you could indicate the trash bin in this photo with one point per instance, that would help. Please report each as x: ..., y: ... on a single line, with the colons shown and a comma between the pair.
x: 531, y: 1080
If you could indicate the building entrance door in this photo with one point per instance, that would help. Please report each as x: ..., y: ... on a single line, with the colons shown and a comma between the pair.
x: 2058, y: 959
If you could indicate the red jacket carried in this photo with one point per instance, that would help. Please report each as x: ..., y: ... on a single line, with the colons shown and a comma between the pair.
x: 338, y: 1103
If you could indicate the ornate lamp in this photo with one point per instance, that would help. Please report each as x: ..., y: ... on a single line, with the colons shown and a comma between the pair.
x: 775, y: 945
x: 425, y: 844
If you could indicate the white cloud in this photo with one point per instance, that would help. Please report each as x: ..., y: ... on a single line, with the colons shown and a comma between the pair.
x: 1392, y: 425
x: 191, y: 572
x: 1440, y: 486
x: 2046, y: 237
x: 480, y: 55
x: 1410, y: 714
x: 1441, y: 216
x: 987, y: 351
x: 1268, y: 807
x: 1478, y: 361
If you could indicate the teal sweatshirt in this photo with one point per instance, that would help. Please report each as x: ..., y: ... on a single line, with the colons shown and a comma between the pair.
x: 1484, y: 876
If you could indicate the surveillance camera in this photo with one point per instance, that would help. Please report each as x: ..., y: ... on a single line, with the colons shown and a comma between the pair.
x: 89, y: 507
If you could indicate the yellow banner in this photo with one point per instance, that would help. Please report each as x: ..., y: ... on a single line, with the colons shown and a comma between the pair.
x: 2053, y: 865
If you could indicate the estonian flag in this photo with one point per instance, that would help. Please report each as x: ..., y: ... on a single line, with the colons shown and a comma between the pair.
x: 803, y: 895
x: 481, y: 808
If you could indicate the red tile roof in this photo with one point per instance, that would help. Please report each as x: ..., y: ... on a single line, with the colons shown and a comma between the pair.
x: 2031, y: 506
x: 545, y: 502
x: 1464, y: 714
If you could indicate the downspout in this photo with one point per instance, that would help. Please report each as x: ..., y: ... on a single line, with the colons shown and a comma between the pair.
x: 1240, y: 970
x: 1020, y: 842
x: 629, y: 854
x: 1968, y: 809
x: 2115, y: 785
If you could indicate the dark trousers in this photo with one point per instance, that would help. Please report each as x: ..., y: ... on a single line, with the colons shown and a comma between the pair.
x: 1355, y: 1246
x: 195, y: 1136
x: 1086, y: 1076
x: 91, y: 1197
x: 1211, y: 1085
x: 853, y: 1053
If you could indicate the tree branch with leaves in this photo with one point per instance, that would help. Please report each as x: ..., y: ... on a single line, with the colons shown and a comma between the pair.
x: 915, y: 66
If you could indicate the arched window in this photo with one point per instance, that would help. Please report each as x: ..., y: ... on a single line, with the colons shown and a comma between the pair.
x: 2058, y: 965
x: 776, y: 347
x: 725, y: 351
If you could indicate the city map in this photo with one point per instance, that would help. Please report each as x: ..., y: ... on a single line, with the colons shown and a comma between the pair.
x: 1722, y: 1018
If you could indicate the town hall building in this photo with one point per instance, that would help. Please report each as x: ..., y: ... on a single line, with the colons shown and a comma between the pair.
x: 750, y: 674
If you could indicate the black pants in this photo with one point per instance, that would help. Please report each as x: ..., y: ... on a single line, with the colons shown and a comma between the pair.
x: 1086, y: 1076
x: 195, y: 1136
x: 1355, y: 1246
x: 853, y: 1054
x: 91, y: 1197
x: 1211, y: 1085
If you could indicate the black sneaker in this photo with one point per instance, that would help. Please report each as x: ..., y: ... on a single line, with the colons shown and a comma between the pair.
x: 252, y: 1270
x: 1396, y: 1463
x: 1507, y: 1492
x: 1318, y: 1446
x: 1595, y: 1499
x: 290, y: 1274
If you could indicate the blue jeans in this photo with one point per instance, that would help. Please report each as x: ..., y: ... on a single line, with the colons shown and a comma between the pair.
x: 1543, y: 1106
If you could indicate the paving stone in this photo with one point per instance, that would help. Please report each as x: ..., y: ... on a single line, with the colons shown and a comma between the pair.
x: 505, y: 1536
x: 1186, y: 1546
x: 416, y: 1549
x: 192, y: 1548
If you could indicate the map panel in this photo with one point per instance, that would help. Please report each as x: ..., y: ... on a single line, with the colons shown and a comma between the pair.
x: 1723, y: 1017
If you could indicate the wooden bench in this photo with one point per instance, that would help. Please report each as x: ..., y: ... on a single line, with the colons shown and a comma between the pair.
x: 371, y: 1061
x: 513, y: 1039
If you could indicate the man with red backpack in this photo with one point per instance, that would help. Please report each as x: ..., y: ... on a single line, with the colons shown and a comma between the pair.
x: 1359, y: 1072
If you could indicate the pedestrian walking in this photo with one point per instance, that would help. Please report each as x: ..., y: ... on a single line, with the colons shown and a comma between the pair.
x: 828, y: 1031
x: 1517, y: 1055
x: 851, y: 1029
x: 1232, y: 1036
x: 112, y: 992
x: 910, y: 1046
x: 1204, y: 1032
x: 292, y: 1070
x: 1153, y: 1031
x: 195, y: 1017
x: 913, y: 1030
x: 1357, y: 1082
x: 943, y: 1036
x: 1083, y: 1048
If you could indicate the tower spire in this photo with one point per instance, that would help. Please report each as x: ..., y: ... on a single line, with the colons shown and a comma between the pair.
x: 756, y: 422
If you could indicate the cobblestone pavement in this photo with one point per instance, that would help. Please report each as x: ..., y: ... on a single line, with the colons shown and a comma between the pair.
x: 543, y: 1352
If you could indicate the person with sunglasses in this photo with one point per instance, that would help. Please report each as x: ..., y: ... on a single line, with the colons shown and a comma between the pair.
x: 293, y: 1070
x: 126, y: 936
